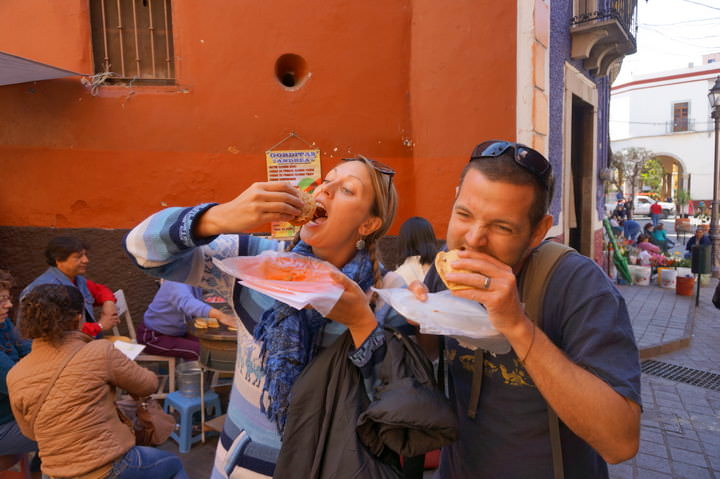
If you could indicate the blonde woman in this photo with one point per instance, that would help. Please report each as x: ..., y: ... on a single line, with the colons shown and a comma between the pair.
x: 276, y: 342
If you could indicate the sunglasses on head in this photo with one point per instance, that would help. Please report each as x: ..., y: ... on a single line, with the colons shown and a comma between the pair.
x: 524, y: 156
x: 379, y: 167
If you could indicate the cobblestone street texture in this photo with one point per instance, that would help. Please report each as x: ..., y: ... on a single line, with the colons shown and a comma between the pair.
x: 680, y: 435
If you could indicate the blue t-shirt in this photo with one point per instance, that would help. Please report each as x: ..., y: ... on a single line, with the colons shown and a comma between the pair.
x: 586, y: 317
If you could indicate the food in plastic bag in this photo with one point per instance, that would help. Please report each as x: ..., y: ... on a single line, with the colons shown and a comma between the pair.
x: 290, y: 278
x: 448, y: 315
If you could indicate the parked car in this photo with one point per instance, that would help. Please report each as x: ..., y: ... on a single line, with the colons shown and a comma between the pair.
x: 641, y: 206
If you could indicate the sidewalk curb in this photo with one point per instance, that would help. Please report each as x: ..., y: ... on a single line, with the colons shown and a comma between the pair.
x: 671, y: 346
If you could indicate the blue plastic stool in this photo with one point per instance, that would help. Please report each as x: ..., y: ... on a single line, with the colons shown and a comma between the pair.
x: 187, y: 406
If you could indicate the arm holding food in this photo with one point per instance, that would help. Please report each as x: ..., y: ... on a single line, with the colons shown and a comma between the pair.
x: 587, y: 404
x: 179, y: 243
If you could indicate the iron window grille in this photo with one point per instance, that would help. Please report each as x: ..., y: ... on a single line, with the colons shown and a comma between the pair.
x: 133, y: 41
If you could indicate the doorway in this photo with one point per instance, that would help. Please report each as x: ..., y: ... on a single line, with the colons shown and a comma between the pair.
x: 581, y: 174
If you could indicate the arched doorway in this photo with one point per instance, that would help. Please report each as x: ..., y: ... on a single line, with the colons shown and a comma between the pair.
x: 674, y: 176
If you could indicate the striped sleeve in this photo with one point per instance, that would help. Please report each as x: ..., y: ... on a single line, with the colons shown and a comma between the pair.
x: 163, y: 246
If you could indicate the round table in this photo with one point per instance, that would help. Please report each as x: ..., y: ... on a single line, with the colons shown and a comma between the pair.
x: 218, y: 348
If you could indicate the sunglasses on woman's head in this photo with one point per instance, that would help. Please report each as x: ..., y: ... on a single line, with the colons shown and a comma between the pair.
x: 379, y: 167
x: 530, y: 159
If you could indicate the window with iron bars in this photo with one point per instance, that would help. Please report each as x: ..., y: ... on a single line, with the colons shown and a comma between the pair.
x: 132, y: 40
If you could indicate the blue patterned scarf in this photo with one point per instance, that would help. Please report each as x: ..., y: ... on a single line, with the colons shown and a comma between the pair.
x: 290, y: 338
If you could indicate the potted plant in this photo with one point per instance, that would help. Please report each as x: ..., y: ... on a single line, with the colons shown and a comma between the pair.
x: 682, y: 198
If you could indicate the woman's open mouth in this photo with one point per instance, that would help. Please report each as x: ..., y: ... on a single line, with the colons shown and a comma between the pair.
x: 320, y: 215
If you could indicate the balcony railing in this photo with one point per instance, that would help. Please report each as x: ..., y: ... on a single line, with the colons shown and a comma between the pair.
x: 624, y: 11
x: 603, y: 32
x: 677, y: 126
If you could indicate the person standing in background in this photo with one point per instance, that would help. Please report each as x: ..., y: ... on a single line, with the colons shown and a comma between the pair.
x: 418, y: 247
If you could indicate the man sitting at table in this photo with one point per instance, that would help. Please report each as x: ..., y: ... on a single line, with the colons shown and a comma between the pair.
x: 68, y: 260
x: 164, y: 329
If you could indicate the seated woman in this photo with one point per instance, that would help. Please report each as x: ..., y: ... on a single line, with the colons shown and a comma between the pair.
x: 647, y: 229
x: 659, y: 237
x: 164, y: 329
x: 62, y: 395
x: 418, y: 247
x: 12, y: 441
x: 644, y: 244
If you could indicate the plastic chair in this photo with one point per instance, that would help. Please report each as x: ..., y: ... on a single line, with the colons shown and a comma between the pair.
x: 187, y: 407
x: 10, y: 461
x: 124, y: 312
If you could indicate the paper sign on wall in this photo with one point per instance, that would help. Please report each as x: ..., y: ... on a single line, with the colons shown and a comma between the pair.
x: 299, y: 168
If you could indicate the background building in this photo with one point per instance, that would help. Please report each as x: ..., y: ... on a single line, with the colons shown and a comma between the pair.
x: 202, y: 89
x: 668, y: 113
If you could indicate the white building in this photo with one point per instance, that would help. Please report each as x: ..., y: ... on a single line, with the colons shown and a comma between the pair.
x: 668, y: 113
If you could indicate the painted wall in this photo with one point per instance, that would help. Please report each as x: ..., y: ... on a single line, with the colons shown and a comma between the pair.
x: 48, y: 32
x: 404, y: 82
x: 462, y: 92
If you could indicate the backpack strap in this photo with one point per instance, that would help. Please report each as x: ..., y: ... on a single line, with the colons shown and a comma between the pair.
x: 538, y: 269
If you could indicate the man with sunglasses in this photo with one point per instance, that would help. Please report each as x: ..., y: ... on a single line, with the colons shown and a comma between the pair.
x: 583, y: 362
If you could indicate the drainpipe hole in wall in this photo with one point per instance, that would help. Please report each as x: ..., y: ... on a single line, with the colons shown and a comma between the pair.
x: 291, y: 71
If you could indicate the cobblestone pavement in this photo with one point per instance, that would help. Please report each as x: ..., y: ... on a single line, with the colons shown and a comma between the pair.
x: 680, y: 435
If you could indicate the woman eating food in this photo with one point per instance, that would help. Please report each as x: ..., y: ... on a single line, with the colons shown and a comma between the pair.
x: 354, y: 207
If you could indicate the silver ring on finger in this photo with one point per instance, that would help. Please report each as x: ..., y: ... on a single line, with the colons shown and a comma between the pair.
x: 486, y: 284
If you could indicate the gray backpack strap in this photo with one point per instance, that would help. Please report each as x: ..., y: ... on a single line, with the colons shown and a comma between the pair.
x: 533, y: 286
x: 538, y: 269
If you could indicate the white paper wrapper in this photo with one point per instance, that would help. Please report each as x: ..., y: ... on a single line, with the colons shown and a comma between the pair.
x: 447, y: 315
x: 318, y: 290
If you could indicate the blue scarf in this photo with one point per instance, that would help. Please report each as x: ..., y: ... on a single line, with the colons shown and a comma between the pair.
x: 290, y: 339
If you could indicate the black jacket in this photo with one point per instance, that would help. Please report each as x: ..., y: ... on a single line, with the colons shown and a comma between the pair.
x: 334, y: 430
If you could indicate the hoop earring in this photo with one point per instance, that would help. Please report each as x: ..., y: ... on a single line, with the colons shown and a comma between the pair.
x: 360, y: 244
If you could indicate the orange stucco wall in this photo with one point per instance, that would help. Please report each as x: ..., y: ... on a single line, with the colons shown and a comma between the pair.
x: 414, y: 84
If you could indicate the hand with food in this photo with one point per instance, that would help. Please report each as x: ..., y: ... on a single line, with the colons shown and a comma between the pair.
x: 260, y: 204
x: 311, y: 209
x: 488, y: 281
x: 227, y: 319
x: 444, y: 264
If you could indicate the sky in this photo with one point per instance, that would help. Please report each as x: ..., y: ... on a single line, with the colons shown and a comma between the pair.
x: 672, y: 34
